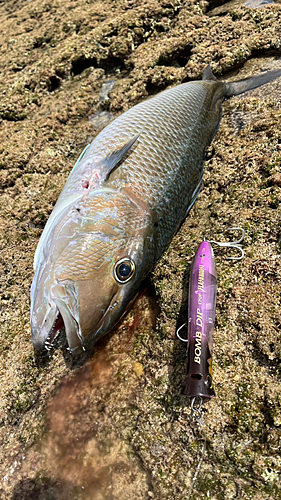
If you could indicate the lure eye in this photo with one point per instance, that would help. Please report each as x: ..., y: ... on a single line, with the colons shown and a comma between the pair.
x: 124, y: 270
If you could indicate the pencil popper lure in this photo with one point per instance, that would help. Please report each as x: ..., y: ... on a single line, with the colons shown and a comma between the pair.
x: 198, y: 383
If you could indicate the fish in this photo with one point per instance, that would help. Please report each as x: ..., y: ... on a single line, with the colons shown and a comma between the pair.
x: 124, y: 200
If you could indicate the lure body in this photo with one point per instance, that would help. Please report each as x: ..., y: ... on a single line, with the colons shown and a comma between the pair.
x: 201, y: 323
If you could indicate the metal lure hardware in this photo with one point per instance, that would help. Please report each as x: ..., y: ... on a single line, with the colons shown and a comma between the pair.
x: 201, y: 319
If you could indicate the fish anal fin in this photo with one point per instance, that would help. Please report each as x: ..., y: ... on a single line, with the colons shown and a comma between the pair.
x: 208, y: 74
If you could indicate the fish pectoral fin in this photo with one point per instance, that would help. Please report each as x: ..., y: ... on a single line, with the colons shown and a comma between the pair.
x: 113, y: 158
x: 208, y: 74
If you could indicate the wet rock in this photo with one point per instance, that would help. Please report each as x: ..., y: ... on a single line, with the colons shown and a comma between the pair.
x: 89, y: 428
x: 100, y: 119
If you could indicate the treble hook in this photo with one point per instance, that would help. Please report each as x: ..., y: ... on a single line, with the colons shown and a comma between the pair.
x: 196, y: 405
x: 232, y: 244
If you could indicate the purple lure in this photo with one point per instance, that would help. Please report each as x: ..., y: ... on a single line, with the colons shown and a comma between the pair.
x: 201, y: 323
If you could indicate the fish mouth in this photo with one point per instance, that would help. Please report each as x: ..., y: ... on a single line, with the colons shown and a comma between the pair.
x: 59, y: 316
x: 43, y: 334
x: 42, y: 330
x: 56, y: 318
x: 56, y: 328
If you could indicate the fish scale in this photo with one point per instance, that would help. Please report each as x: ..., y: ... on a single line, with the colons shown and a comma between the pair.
x: 124, y: 200
x: 161, y: 124
x: 151, y: 168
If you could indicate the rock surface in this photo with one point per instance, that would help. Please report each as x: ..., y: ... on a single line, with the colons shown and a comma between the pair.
x: 98, y: 428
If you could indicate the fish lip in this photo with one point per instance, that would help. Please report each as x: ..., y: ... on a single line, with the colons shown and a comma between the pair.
x: 43, y: 333
x: 39, y: 340
x: 43, y: 337
x: 61, y: 316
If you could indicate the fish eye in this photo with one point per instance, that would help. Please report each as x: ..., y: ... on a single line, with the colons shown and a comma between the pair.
x: 124, y: 270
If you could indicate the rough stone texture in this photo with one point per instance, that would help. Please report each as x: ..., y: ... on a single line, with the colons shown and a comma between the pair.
x: 115, y: 425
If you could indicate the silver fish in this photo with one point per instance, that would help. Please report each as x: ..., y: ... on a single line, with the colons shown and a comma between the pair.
x: 123, y: 202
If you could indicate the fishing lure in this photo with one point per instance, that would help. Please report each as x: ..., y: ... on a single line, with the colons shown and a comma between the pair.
x: 198, y: 383
x: 201, y: 319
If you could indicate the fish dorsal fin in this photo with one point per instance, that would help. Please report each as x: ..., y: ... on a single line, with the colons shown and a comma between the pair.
x: 114, y: 157
x: 208, y: 74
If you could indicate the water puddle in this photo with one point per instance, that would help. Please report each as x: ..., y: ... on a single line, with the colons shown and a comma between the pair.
x: 100, y: 119
x: 257, y: 4
x: 228, y: 6
x: 105, y: 89
x: 82, y: 448
x: 81, y: 456
x: 103, y: 117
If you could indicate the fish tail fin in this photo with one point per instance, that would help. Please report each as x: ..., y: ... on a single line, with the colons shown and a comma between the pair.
x: 236, y: 88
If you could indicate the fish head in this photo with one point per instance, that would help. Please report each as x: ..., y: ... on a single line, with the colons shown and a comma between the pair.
x: 88, y: 285
x: 100, y: 301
